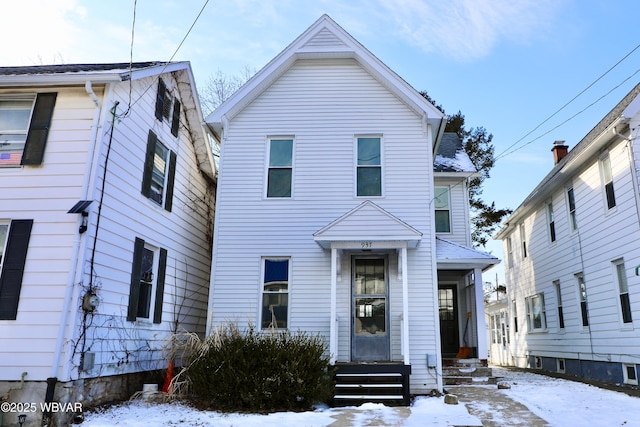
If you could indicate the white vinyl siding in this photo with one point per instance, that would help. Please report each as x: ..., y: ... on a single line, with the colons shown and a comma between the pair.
x: 326, y: 105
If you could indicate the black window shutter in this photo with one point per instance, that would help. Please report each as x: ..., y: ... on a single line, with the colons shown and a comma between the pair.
x: 171, y: 177
x: 160, y: 99
x: 148, y: 164
x: 13, y: 267
x: 162, y: 267
x: 39, y: 129
x: 134, y: 289
x: 175, y: 123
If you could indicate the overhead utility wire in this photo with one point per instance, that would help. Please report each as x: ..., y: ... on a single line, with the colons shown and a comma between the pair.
x: 133, y: 27
x: 507, y: 152
x: 172, y: 56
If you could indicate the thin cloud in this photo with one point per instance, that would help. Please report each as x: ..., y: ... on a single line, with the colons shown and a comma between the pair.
x: 468, y: 29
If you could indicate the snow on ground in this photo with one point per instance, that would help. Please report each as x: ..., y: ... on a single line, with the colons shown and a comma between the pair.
x: 560, y: 402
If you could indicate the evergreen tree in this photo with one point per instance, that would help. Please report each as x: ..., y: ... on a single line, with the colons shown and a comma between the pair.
x: 485, y: 217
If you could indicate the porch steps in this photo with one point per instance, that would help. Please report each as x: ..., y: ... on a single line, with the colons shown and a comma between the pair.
x: 466, y: 371
x: 377, y: 383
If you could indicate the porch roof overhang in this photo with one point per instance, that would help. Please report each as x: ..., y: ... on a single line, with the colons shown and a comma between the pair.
x: 452, y: 256
x: 367, y: 226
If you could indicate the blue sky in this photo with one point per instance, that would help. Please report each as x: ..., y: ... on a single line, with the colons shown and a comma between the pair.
x: 507, y: 65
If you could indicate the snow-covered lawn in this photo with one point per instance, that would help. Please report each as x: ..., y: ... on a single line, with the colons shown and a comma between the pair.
x: 560, y: 402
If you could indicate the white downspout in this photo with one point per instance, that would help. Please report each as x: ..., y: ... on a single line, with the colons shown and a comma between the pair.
x: 74, y: 267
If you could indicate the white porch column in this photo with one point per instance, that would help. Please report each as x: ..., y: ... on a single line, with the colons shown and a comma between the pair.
x: 483, y: 351
x: 405, y: 307
x: 333, y: 329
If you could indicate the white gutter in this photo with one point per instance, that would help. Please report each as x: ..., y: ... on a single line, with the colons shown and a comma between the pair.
x: 74, y: 267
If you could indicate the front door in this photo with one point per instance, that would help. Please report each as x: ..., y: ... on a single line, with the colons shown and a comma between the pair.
x: 448, y: 308
x: 370, y: 310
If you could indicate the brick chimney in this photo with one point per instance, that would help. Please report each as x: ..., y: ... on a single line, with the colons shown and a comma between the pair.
x: 560, y: 149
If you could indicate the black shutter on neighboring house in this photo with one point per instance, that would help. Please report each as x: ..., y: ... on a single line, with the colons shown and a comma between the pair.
x: 148, y: 164
x: 162, y: 267
x: 134, y: 289
x: 160, y: 99
x: 171, y: 177
x: 13, y: 267
x: 175, y: 123
x: 39, y: 129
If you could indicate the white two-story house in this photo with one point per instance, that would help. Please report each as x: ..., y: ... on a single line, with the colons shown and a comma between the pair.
x: 572, y: 257
x: 107, y: 187
x: 330, y: 218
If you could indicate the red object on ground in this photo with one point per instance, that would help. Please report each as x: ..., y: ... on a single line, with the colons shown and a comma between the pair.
x: 168, y: 377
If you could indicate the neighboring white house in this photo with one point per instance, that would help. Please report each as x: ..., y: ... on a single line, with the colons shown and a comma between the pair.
x: 107, y: 187
x: 572, y: 257
x: 326, y: 213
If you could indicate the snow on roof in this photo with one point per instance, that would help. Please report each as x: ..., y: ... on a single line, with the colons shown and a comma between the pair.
x: 451, y: 156
x: 452, y: 252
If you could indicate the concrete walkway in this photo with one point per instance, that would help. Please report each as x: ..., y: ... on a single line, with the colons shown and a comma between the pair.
x: 495, y: 408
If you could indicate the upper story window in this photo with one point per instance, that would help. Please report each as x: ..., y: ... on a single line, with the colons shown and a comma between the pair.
x: 24, y: 128
x: 159, y: 172
x: 280, y: 170
x: 536, y: 313
x: 623, y: 288
x: 571, y: 202
x: 168, y: 107
x: 607, y: 179
x: 523, y: 240
x: 369, y: 167
x: 443, y: 214
x: 552, y: 222
x: 509, y: 252
x: 146, y: 293
x: 275, y: 293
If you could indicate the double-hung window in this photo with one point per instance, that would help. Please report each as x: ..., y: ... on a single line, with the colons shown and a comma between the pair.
x: 164, y: 103
x: 275, y: 293
x: 556, y: 285
x: 146, y: 293
x: 552, y: 222
x: 523, y: 240
x: 623, y: 288
x: 159, y: 172
x: 582, y: 290
x: 536, y: 314
x: 443, y: 216
x: 24, y: 128
x: 369, y: 167
x: 14, y: 242
x: 514, y: 311
x: 571, y: 201
x: 280, y: 169
x: 509, y: 252
x: 607, y: 179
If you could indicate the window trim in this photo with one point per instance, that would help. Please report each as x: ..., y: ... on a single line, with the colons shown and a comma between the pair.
x: 156, y: 298
x: 571, y: 208
x: 380, y: 166
x: 169, y: 172
x: 38, y: 127
x: 523, y: 240
x: 529, y: 304
x: 447, y: 188
x: 514, y: 309
x: 263, y: 264
x: 509, y: 252
x: 16, y: 250
x: 624, y: 304
x: 551, y: 222
x: 268, y: 166
x: 609, y: 196
x: 625, y: 373
x: 583, y: 299
x: 558, y: 288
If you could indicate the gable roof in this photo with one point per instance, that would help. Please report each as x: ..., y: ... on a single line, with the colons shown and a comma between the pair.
x: 325, y: 39
x: 452, y: 157
x: 64, y: 74
x: 369, y: 222
x: 597, y: 138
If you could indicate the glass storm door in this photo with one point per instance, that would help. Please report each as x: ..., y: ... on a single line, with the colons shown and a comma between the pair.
x: 370, y: 335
